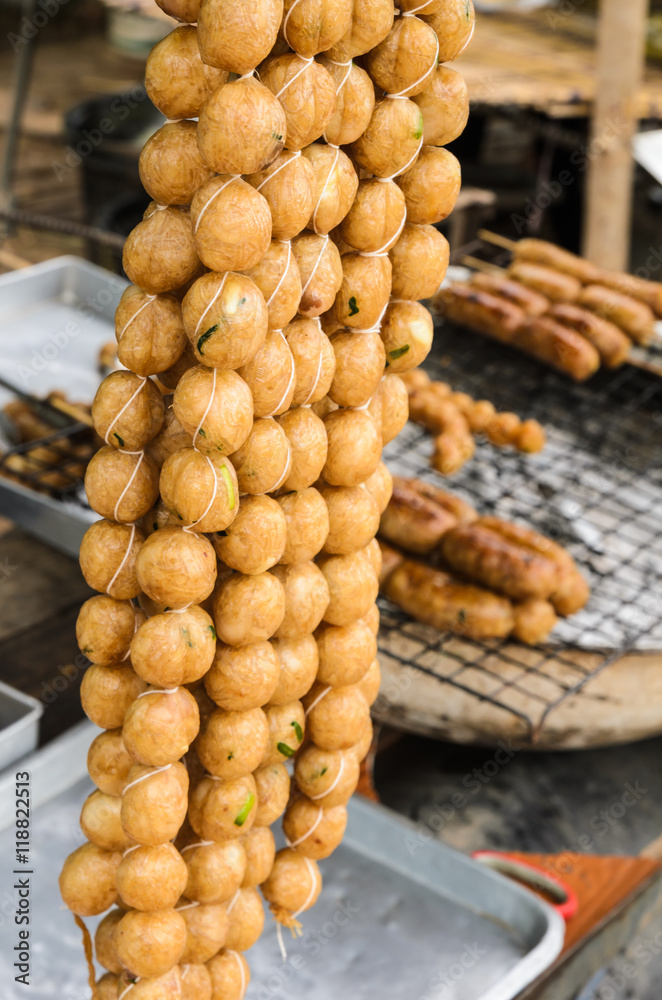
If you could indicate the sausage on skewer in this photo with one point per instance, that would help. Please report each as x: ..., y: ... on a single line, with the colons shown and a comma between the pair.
x: 634, y: 317
x: 609, y: 340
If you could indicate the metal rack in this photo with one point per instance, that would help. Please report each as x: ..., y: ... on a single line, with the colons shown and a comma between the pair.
x: 54, y: 465
x: 596, y: 488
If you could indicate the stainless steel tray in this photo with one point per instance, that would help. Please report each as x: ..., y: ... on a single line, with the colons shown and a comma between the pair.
x: 54, y: 319
x: 19, y: 724
x: 401, y: 917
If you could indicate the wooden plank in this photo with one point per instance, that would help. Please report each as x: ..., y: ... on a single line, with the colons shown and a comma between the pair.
x: 36, y: 583
x: 611, y: 170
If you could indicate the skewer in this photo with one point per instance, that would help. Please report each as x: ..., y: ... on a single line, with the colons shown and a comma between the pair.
x: 496, y: 239
x: 482, y: 265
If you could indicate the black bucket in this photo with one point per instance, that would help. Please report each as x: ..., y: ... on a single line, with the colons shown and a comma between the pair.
x: 104, y: 138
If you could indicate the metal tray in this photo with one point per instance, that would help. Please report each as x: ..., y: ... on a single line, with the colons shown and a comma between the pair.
x: 19, y: 724
x: 54, y: 319
x: 402, y: 916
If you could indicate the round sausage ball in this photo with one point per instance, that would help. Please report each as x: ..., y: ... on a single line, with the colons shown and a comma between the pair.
x: 336, y: 716
x: 170, y: 166
x: 298, y: 668
x: 87, y: 880
x: 107, y: 692
x: 151, y: 878
x: 353, y: 586
x: 355, y: 447
x: 127, y: 411
x: 108, y: 762
x: 353, y: 518
x: 327, y: 777
x: 345, y: 652
x: 121, y: 486
x: 173, y: 649
x: 159, y: 727
x: 293, y: 886
x: 100, y: 821
x: 202, y: 492
x: 286, y: 728
x: 270, y: 376
x: 149, y: 330
x: 231, y: 222
x: 215, y: 408
x: 273, y: 790
x: 107, y: 558
x: 177, y: 81
x: 150, y: 944
x: 225, y: 317
x: 290, y: 188
x: 160, y: 253
x: 315, y: 837
x: 255, y: 540
x: 154, y: 803
x: 243, y: 677
x: 307, y: 525
x: 263, y: 461
x: 248, y: 609
x: 215, y: 870
x: 314, y: 360
x: 232, y: 744
x: 308, y: 447
x: 176, y: 567
x: 105, y: 628
x: 260, y: 848
x: 223, y: 810
x: 306, y: 599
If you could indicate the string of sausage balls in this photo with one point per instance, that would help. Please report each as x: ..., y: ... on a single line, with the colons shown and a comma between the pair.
x: 273, y: 306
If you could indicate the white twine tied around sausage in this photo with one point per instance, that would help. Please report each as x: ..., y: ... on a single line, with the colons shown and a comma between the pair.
x: 295, y: 928
x: 383, y: 251
x: 333, y: 786
x: 129, y: 987
x: 233, y: 177
x: 144, y: 777
x: 124, y: 558
x: 325, y: 242
x: 242, y: 973
x: 148, y: 301
x: 376, y: 326
x: 404, y: 94
x: 342, y: 83
x: 198, y: 843
x: 318, y: 376
x: 281, y: 403
x: 287, y: 17
x: 281, y: 166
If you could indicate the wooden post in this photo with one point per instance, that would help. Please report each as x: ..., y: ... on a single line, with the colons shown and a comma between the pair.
x: 621, y: 38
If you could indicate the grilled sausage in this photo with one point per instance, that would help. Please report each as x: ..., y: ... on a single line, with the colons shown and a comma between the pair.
x: 552, y: 284
x: 480, y: 310
x: 558, y: 346
x: 527, y: 299
x: 649, y: 292
x: 418, y: 515
x: 549, y: 255
x: 609, y: 340
x: 534, y: 620
x: 438, y: 599
x: 634, y: 317
x: 486, y: 556
x: 572, y: 591
x: 391, y: 559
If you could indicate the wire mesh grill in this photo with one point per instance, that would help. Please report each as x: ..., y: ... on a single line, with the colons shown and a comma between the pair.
x: 596, y: 488
x: 54, y: 464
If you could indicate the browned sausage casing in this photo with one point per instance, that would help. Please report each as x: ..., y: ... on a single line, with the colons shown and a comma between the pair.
x: 572, y: 591
x: 649, y: 292
x: 552, y: 284
x: 418, y: 515
x: 437, y: 599
x: 534, y: 620
x: 634, y: 317
x: 548, y: 254
x: 483, y: 554
x: 558, y: 346
x: 609, y: 341
x: 531, y: 302
x: 391, y: 559
x: 480, y: 310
